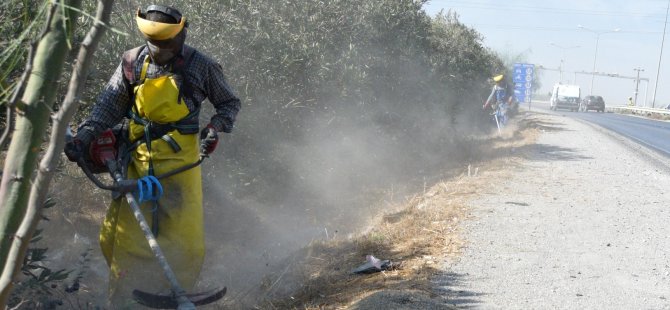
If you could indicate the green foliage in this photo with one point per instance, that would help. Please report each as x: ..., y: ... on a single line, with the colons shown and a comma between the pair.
x: 21, y: 21
x: 383, y: 65
x: 461, y: 62
x: 317, y: 69
x: 290, y: 58
x: 38, y: 286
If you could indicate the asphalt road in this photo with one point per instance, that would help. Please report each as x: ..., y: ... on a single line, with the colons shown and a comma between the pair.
x: 650, y: 133
x: 579, y: 222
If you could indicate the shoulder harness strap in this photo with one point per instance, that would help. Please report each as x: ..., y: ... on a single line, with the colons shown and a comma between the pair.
x: 128, y: 64
x: 188, y: 124
x: 180, y: 68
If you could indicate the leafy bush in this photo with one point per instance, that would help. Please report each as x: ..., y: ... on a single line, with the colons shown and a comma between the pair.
x: 310, y: 71
x: 20, y: 25
x: 314, y: 70
x: 39, y: 286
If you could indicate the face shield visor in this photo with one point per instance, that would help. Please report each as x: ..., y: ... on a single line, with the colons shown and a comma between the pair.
x: 162, y: 52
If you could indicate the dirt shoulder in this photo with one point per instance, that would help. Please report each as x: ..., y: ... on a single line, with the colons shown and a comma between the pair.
x: 563, y: 215
x: 581, y: 224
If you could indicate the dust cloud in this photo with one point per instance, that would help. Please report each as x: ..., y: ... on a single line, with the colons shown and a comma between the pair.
x: 344, y: 170
x: 330, y: 180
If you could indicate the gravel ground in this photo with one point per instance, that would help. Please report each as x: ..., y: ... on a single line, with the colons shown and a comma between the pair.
x: 582, y: 223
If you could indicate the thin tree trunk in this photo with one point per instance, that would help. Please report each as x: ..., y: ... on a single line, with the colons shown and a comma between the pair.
x: 48, y: 164
x: 33, y: 112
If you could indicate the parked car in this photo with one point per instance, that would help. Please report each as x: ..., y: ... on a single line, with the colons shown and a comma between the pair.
x: 596, y: 103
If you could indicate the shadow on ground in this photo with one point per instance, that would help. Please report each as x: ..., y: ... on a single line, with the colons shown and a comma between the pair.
x: 542, y: 125
x: 545, y: 152
x: 450, y: 286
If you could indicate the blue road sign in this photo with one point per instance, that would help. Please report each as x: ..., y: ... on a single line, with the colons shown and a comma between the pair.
x: 523, y: 81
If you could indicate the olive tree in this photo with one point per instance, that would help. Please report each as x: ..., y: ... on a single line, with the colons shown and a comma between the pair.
x: 24, y: 188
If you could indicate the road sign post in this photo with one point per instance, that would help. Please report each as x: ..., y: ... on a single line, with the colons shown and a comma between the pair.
x: 523, y: 82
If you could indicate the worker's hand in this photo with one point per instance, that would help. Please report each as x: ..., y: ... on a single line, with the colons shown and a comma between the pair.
x: 74, y: 150
x: 209, y: 138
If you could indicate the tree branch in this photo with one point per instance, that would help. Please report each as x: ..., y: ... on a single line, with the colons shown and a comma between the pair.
x: 18, y: 92
x: 61, y: 120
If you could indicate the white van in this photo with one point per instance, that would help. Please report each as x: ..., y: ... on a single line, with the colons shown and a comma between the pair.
x: 565, y: 97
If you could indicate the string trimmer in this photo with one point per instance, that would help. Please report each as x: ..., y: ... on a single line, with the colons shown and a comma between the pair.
x: 103, y: 155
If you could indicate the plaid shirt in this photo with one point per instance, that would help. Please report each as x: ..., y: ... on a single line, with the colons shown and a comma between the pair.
x: 206, y: 80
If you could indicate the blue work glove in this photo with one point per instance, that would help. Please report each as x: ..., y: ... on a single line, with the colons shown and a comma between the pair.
x: 209, y: 138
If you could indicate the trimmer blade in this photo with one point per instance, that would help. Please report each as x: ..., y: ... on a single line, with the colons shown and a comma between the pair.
x: 157, y: 301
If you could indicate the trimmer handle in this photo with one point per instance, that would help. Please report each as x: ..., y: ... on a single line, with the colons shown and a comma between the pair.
x: 103, y: 153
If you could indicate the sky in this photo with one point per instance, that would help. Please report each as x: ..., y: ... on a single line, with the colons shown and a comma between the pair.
x: 547, y: 33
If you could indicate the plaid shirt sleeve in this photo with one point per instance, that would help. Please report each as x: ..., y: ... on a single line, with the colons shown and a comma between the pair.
x: 221, y: 95
x: 109, y: 109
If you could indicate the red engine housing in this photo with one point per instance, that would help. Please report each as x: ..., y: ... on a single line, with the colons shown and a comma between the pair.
x: 103, y: 149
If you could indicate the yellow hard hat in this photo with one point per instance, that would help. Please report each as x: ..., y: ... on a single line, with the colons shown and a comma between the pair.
x: 158, y: 31
x: 498, y: 78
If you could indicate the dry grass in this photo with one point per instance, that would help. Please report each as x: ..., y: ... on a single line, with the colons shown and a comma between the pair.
x: 418, y: 237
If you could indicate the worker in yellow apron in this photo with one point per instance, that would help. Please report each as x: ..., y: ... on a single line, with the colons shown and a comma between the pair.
x: 159, y: 88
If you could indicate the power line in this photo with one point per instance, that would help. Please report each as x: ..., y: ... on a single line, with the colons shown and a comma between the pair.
x: 489, y: 6
x: 538, y: 28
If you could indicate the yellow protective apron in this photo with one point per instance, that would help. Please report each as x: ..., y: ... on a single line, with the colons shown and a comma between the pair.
x: 132, y: 264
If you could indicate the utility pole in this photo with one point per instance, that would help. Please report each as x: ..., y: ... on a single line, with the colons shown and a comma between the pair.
x: 595, y: 56
x: 637, y: 83
x: 561, y: 67
x: 660, y: 56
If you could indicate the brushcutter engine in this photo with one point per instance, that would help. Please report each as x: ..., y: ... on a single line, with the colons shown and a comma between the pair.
x: 103, y: 149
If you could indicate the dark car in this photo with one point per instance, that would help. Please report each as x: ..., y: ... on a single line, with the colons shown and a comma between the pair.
x: 592, y: 103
